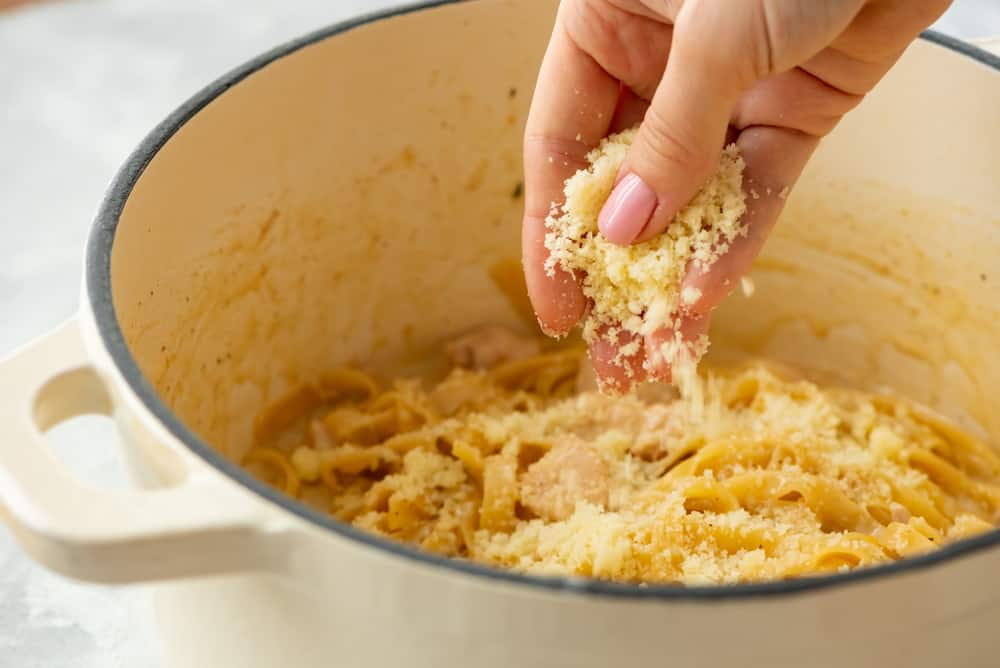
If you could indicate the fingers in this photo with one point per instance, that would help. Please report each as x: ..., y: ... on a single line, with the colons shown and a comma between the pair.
x: 691, y: 330
x: 618, y: 363
x: 847, y: 73
x: 796, y: 100
x: 629, y: 42
x: 629, y: 112
x: 879, y: 34
x: 774, y: 159
x: 719, y: 51
x: 571, y: 111
x: 557, y: 300
x: 678, y: 144
x: 881, y: 30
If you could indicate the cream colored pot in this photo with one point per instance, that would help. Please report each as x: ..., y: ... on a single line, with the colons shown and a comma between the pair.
x: 343, y: 198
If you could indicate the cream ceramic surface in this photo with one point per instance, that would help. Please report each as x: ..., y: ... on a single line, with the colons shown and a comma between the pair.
x: 62, y: 139
x: 269, y: 240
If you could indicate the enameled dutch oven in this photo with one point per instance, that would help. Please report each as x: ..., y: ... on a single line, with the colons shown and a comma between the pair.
x: 343, y: 198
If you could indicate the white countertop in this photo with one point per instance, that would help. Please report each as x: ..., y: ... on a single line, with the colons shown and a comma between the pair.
x: 80, y: 84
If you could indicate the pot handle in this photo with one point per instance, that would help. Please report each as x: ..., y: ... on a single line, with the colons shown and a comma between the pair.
x: 196, y: 527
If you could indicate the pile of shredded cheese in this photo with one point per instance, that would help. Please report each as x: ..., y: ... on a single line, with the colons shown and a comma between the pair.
x: 637, y: 288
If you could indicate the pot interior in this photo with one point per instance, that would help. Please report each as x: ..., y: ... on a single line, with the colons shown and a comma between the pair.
x: 350, y: 202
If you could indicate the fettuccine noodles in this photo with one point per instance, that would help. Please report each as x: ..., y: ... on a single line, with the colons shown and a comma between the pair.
x: 510, y: 463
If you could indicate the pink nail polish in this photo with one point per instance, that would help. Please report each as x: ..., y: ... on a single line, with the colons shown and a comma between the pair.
x: 627, y: 210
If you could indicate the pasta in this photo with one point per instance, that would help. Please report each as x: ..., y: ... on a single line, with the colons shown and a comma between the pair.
x: 512, y: 460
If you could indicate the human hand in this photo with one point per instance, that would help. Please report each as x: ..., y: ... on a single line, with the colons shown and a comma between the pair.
x: 772, y: 75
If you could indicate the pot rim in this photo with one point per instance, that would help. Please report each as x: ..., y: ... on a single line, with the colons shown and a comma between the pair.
x: 99, y: 295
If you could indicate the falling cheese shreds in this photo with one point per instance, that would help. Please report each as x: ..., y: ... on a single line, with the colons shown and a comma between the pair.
x: 637, y: 287
x: 690, y: 295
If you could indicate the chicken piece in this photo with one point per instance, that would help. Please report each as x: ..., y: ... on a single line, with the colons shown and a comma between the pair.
x: 489, y: 347
x: 569, y: 473
x: 462, y: 390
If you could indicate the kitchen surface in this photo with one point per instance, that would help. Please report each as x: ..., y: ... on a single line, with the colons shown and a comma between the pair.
x: 80, y: 84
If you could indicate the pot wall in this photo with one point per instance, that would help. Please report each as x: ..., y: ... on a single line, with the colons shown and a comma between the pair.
x: 299, y: 224
x: 348, y: 201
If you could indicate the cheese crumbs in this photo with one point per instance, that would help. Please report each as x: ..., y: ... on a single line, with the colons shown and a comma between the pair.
x: 637, y: 287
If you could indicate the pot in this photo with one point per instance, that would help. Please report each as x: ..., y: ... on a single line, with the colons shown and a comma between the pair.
x: 335, y: 200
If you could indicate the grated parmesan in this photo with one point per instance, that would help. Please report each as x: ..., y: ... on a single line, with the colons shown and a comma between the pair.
x: 637, y: 287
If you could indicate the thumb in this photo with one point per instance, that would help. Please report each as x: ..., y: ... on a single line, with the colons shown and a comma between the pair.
x: 719, y: 51
x: 680, y: 139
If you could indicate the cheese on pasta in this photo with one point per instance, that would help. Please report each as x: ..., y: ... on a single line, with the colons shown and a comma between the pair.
x: 767, y: 476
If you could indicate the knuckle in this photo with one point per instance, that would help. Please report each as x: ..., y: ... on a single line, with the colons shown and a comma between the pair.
x: 669, y: 148
x: 564, y: 154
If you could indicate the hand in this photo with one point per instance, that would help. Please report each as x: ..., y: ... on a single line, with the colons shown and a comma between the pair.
x: 772, y: 75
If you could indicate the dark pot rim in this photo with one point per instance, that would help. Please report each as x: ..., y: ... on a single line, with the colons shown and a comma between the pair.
x: 99, y: 294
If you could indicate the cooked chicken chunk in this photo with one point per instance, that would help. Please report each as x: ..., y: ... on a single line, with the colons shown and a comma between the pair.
x: 569, y: 473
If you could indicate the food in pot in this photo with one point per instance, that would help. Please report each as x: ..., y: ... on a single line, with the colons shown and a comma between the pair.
x: 636, y: 288
x: 513, y: 459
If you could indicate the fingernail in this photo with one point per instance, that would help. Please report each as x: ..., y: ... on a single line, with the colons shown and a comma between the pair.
x: 627, y: 210
x: 550, y: 332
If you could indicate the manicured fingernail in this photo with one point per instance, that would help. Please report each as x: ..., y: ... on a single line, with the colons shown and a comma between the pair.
x: 627, y: 210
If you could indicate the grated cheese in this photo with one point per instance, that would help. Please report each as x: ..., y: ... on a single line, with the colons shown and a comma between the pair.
x: 637, y: 287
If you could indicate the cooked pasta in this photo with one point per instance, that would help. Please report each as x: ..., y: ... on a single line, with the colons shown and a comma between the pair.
x: 511, y: 460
